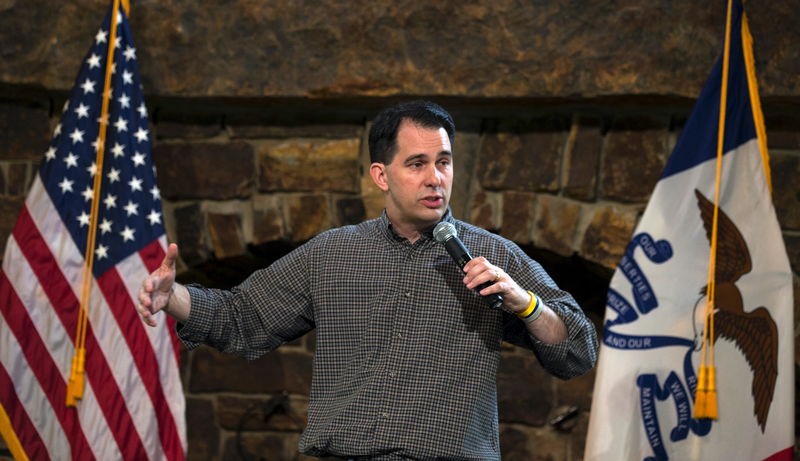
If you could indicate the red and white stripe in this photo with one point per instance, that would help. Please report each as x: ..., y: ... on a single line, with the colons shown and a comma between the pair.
x: 133, y: 406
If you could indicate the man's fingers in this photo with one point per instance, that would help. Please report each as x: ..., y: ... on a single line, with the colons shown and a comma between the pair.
x: 171, y: 256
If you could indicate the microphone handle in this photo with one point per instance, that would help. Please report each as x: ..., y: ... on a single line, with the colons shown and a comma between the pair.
x: 461, y: 256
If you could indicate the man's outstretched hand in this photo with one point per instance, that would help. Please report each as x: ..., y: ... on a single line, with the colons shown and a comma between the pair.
x: 158, y: 287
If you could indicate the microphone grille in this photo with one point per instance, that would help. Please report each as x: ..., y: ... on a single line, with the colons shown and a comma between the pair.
x: 444, y: 231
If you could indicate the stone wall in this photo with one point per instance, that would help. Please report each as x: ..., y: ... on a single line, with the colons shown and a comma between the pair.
x: 563, y: 129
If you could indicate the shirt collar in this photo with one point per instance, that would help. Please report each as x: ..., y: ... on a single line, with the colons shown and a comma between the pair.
x: 387, y: 230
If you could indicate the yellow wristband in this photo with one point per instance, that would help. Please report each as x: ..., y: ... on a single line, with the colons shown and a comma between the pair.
x: 531, y: 307
x: 534, y: 309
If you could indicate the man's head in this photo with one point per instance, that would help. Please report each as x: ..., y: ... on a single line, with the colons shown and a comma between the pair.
x: 383, y: 134
x: 411, y: 150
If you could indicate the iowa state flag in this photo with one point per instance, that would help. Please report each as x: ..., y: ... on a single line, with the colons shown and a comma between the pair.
x: 133, y: 404
x: 647, y: 374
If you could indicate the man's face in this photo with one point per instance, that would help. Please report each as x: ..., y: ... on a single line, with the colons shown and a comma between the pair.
x: 418, y: 181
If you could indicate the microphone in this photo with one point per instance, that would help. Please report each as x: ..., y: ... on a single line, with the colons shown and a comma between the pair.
x: 445, y: 233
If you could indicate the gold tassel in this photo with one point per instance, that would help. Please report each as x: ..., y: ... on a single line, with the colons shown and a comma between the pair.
x: 701, y: 396
x: 711, y: 402
x: 76, y: 383
x: 705, y: 404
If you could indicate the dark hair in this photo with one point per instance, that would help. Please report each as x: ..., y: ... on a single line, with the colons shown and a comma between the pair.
x: 383, y: 134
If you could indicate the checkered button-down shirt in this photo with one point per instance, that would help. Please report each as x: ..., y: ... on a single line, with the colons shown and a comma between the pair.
x: 406, y: 355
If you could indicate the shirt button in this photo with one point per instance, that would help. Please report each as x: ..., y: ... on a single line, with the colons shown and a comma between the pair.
x: 392, y: 374
x: 407, y: 294
x: 385, y: 415
x: 398, y: 335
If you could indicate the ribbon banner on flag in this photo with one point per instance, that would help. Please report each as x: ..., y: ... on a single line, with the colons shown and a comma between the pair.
x: 132, y: 405
x: 646, y: 381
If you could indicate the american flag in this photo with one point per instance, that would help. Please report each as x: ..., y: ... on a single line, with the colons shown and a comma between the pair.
x: 133, y: 403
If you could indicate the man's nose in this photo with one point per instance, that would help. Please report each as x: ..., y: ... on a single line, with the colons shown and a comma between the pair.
x: 434, y: 176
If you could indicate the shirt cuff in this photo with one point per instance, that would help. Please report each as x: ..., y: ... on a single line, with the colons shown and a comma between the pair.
x: 197, y: 327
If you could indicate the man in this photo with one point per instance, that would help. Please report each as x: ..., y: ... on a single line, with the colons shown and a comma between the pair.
x: 407, y: 351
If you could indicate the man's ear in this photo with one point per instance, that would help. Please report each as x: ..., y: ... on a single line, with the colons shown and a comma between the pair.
x: 378, y: 173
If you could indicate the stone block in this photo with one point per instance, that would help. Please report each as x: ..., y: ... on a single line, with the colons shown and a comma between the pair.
x: 276, y: 371
x: 204, y: 170
x: 583, y: 157
x: 225, y: 231
x: 24, y: 131
x: 486, y: 210
x: 280, y: 412
x: 350, y: 211
x: 328, y: 165
x: 203, y: 434
x: 268, y: 222
x: 635, y: 154
x: 556, y: 224
x: 524, y: 390
x: 518, y: 209
x: 465, y: 155
x: 786, y: 189
x: 18, y: 178
x: 308, y: 216
x: 523, y: 154
x: 607, y: 235
x: 190, y: 234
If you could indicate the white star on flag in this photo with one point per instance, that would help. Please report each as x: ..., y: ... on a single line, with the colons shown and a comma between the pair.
x: 124, y: 101
x: 154, y: 217
x: 88, y: 193
x: 50, y: 154
x: 138, y: 159
x: 118, y: 150
x: 113, y: 175
x: 127, y: 234
x: 110, y: 201
x: 156, y: 192
x: 131, y: 208
x: 141, y: 134
x: 127, y: 77
x: 142, y: 110
x: 83, y: 219
x: 66, y: 185
x: 82, y: 111
x: 88, y: 86
x: 130, y: 53
x: 101, y: 251
x: 100, y: 37
x: 93, y: 61
x: 77, y: 136
x: 121, y: 124
x: 71, y: 160
x: 105, y: 226
x: 135, y: 183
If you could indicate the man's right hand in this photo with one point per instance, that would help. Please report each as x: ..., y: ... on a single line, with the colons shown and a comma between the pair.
x: 158, y: 287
